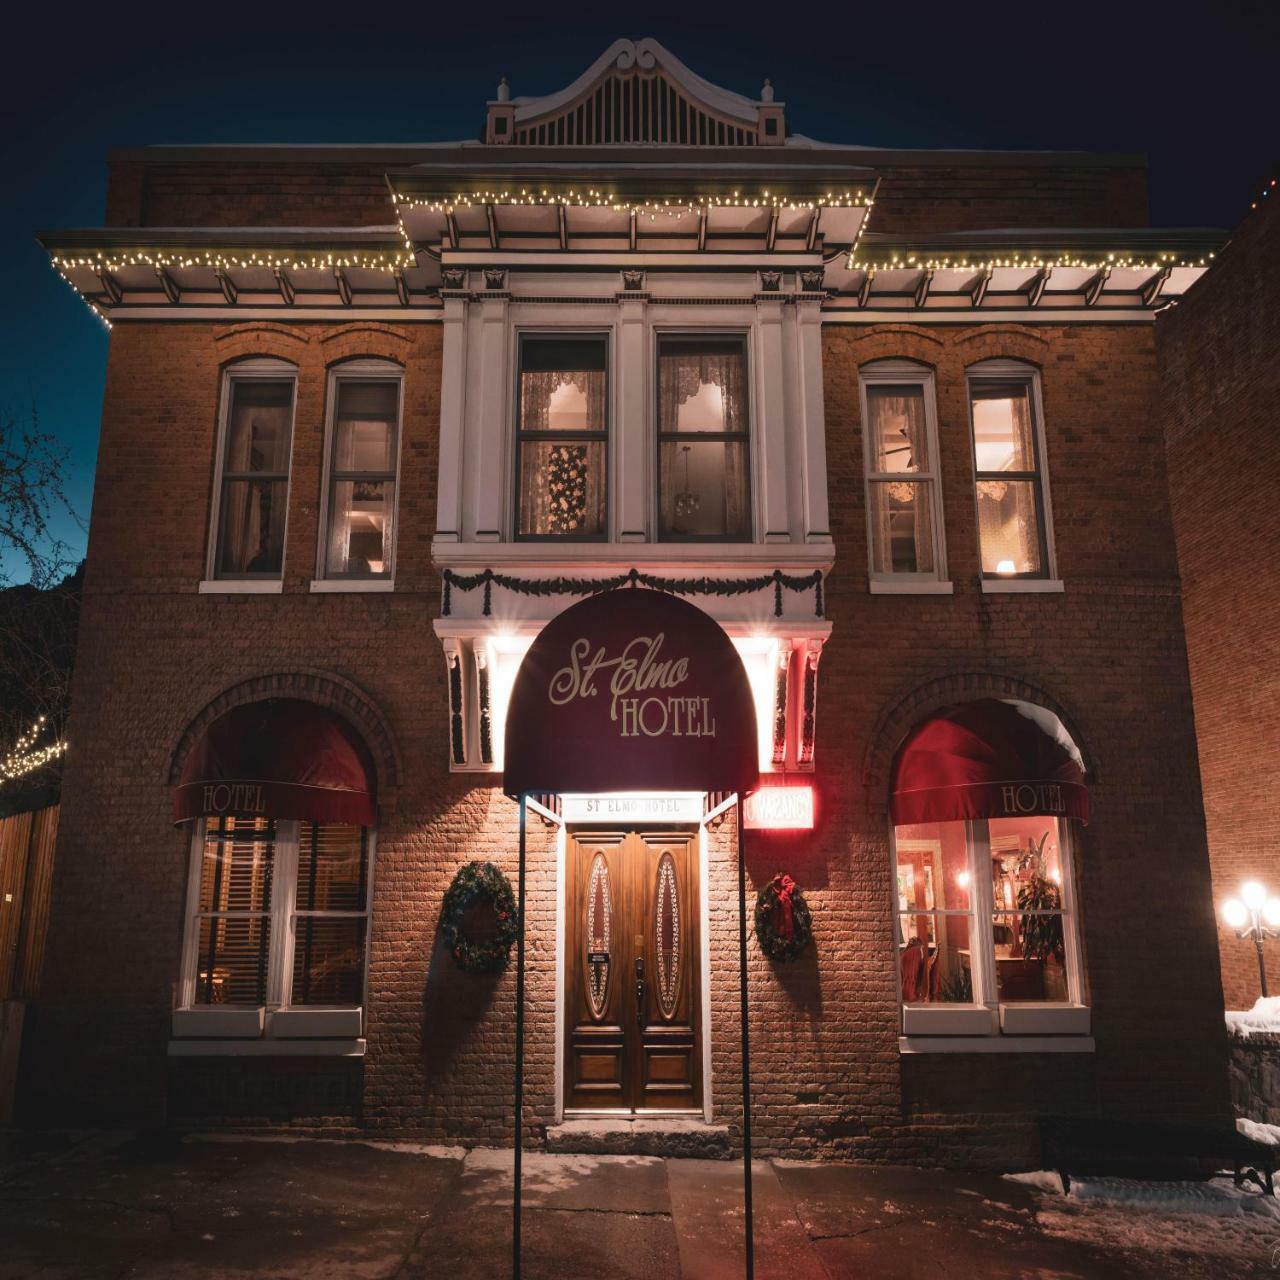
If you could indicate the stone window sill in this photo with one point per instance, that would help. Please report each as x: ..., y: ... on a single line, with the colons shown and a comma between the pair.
x: 906, y: 587
x: 995, y: 1044
x: 1025, y: 586
x: 241, y: 587
x: 336, y: 586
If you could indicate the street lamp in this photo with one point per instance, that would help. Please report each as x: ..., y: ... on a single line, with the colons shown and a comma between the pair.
x: 1254, y: 915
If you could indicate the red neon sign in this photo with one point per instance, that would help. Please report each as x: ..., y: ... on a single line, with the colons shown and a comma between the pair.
x: 779, y: 809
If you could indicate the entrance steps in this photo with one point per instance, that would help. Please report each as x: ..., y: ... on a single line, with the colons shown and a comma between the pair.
x: 668, y: 1136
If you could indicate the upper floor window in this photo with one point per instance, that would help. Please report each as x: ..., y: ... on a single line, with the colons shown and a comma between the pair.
x: 561, y: 436
x: 904, y: 501
x: 358, y: 539
x: 1014, y: 530
x: 704, y: 489
x: 252, y: 494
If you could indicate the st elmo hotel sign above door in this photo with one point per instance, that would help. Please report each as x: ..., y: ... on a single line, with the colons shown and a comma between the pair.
x: 631, y: 690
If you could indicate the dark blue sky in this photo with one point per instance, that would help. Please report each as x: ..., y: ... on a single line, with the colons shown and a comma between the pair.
x: 1197, y: 96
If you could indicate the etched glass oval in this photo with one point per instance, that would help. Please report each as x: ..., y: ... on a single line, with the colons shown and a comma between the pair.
x: 667, y: 936
x: 599, y: 935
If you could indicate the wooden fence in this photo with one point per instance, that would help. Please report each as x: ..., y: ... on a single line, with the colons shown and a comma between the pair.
x: 26, y: 872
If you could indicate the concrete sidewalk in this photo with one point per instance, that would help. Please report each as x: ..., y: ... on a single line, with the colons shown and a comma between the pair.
x: 112, y: 1206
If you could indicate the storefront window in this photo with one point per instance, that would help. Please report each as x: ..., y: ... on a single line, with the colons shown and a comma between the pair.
x: 956, y: 944
x: 280, y: 914
x: 562, y: 429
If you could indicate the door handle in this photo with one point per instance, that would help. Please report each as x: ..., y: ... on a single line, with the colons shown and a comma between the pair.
x: 640, y: 990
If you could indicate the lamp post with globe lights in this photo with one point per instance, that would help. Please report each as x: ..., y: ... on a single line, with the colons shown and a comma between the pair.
x: 1254, y: 915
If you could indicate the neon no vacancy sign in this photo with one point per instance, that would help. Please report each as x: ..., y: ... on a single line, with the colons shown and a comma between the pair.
x: 779, y: 809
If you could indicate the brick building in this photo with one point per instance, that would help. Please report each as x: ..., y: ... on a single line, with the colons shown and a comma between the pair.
x: 1220, y: 383
x: 375, y: 416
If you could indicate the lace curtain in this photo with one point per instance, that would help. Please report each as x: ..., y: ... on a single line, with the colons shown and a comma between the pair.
x: 682, y: 373
x: 537, y: 386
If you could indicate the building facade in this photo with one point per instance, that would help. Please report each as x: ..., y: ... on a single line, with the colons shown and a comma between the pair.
x: 374, y: 416
x: 1221, y: 384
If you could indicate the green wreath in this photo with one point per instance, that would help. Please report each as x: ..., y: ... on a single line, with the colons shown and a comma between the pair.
x: 479, y: 882
x: 784, y: 926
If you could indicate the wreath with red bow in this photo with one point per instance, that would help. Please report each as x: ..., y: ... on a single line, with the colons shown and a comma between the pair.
x: 784, y: 926
x: 479, y: 882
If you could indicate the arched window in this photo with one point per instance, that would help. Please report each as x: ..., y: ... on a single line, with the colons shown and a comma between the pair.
x: 986, y: 797
x: 906, y: 546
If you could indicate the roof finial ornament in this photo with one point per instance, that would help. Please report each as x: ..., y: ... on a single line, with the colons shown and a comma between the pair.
x: 766, y: 94
x: 504, y: 93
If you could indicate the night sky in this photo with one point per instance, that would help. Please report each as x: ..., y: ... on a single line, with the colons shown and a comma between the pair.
x: 1197, y: 95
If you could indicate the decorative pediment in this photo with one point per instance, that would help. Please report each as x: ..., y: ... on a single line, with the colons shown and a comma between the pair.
x: 636, y: 92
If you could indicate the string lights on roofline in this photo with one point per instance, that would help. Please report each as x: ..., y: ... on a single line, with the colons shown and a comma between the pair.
x: 25, y: 757
x: 673, y: 206
x: 388, y: 261
x: 1117, y: 261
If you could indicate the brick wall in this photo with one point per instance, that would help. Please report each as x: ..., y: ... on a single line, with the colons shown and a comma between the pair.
x: 1221, y: 382
x: 156, y: 657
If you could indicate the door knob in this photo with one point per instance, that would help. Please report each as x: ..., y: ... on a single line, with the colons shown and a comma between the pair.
x: 640, y: 990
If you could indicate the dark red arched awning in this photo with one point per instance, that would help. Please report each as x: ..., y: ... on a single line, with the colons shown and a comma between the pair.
x: 281, y: 758
x: 988, y: 759
x: 631, y: 690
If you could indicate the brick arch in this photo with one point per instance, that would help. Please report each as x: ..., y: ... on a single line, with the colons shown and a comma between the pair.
x: 247, y: 340
x: 900, y: 717
x: 321, y: 687
x: 352, y: 341
x: 1007, y: 341
x: 898, y: 341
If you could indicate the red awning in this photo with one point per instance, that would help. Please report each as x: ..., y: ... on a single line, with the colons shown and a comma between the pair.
x: 282, y: 758
x: 988, y: 759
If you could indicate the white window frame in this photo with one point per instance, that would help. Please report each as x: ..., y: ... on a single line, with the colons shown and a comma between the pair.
x: 900, y: 372
x: 959, y: 1028
x: 1006, y: 370
x: 362, y: 370
x: 260, y: 369
x: 711, y: 331
x: 277, y: 1018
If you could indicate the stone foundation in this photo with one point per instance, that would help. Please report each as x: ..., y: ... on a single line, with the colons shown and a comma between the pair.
x: 1255, y: 1077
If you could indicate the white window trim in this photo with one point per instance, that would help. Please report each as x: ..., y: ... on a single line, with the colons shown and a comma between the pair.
x: 511, y: 520
x: 367, y: 370
x: 987, y: 1023
x: 264, y: 369
x: 275, y: 1026
x: 1016, y: 371
x: 899, y: 373
x: 748, y: 334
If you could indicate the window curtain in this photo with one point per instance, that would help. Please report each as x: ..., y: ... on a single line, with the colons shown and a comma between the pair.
x: 537, y: 386
x: 683, y: 372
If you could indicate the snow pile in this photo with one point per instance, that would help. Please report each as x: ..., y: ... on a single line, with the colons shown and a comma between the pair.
x: 1259, y: 1132
x: 1219, y: 1198
x: 1262, y: 1019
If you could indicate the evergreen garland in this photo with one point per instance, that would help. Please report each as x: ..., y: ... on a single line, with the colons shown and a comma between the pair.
x: 479, y: 882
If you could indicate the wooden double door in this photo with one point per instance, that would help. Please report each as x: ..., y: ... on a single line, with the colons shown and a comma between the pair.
x: 632, y: 971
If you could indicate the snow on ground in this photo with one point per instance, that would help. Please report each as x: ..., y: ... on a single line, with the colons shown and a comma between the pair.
x: 1219, y: 1198
x: 1263, y: 1018
x: 1259, y: 1132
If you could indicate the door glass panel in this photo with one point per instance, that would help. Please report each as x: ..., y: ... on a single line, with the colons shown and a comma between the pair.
x: 667, y: 936
x: 599, y: 936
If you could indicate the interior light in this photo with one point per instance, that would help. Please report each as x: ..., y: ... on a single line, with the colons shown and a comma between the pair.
x: 1006, y: 566
x: 1253, y: 894
x: 963, y: 879
x: 1234, y: 913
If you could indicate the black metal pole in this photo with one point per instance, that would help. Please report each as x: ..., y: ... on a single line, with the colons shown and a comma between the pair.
x: 515, y: 1199
x: 1262, y: 963
x: 746, y: 1050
